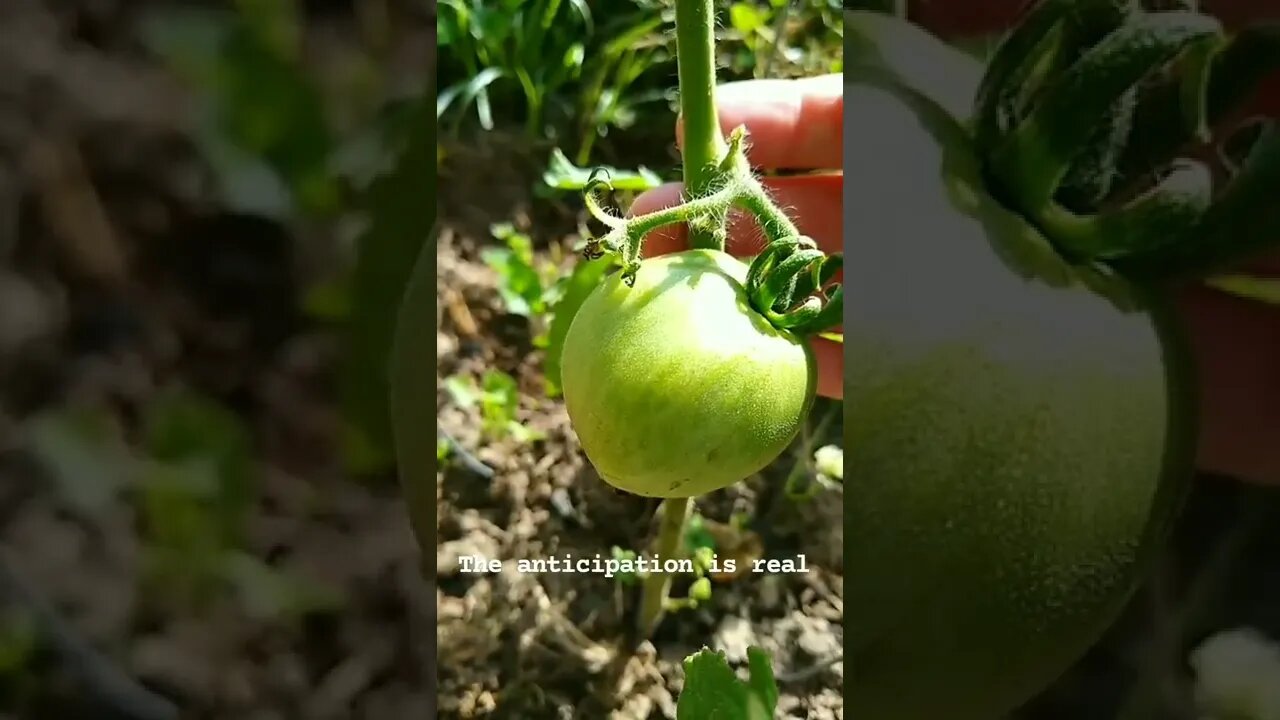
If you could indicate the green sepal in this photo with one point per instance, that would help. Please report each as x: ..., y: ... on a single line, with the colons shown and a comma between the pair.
x: 766, y: 260
x: 1242, y: 221
x: 777, y: 288
x: 830, y: 314
x: 1035, y: 37
x: 1158, y: 218
x: 1229, y: 72
x: 1033, y: 160
x: 822, y: 274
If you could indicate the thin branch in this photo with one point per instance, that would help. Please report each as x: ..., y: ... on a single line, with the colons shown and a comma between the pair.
x: 106, y: 683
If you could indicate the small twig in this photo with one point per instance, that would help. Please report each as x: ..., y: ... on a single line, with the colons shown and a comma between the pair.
x: 106, y: 683
x: 469, y: 461
x: 808, y: 672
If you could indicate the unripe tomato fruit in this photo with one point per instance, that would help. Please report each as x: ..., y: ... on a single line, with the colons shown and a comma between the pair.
x: 1017, y: 447
x: 677, y: 386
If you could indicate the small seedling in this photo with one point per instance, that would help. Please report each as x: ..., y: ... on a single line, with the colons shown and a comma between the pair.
x: 498, y: 397
x: 712, y: 691
x: 527, y: 287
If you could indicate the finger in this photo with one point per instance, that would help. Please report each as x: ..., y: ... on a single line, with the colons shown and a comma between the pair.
x: 1236, y: 346
x: 814, y: 202
x: 791, y: 124
x: 829, y: 357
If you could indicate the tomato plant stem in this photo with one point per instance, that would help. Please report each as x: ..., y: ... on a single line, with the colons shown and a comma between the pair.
x: 704, y: 143
x: 703, y: 147
x: 672, y: 517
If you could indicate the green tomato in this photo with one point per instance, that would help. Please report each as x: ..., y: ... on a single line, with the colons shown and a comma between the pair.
x: 677, y: 386
x: 1018, y: 443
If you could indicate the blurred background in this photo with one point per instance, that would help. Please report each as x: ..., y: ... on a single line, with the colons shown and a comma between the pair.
x: 191, y: 497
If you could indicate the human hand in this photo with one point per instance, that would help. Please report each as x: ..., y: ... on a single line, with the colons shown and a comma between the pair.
x: 791, y: 125
x: 797, y: 125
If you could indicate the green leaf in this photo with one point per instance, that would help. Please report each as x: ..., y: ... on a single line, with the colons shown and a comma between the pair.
x: 469, y: 91
x: 208, y: 455
x: 246, y: 182
x: 184, y: 533
x: 498, y: 396
x: 19, y: 641
x: 519, y: 282
x: 747, y: 18
x: 522, y: 434
x: 1234, y: 74
x: 499, y: 399
x: 259, y: 97
x: 463, y: 390
x: 401, y: 212
x: 328, y: 300
x: 84, y: 451
x: 270, y: 595
x: 586, y: 276
x: 713, y: 692
x: 561, y: 174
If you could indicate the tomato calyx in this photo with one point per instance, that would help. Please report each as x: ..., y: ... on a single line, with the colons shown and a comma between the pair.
x: 1084, y: 117
x: 790, y: 283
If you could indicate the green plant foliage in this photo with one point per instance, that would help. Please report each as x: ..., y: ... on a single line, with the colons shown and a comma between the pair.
x: 575, y: 71
x: 401, y: 210
x: 713, y: 692
x: 261, y: 120
x: 498, y: 398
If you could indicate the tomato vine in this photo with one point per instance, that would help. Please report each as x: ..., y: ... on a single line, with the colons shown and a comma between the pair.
x: 790, y: 283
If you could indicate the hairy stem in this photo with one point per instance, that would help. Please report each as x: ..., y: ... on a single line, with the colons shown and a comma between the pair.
x: 673, y: 515
x: 641, y: 225
x: 774, y: 222
x: 704, y: 144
